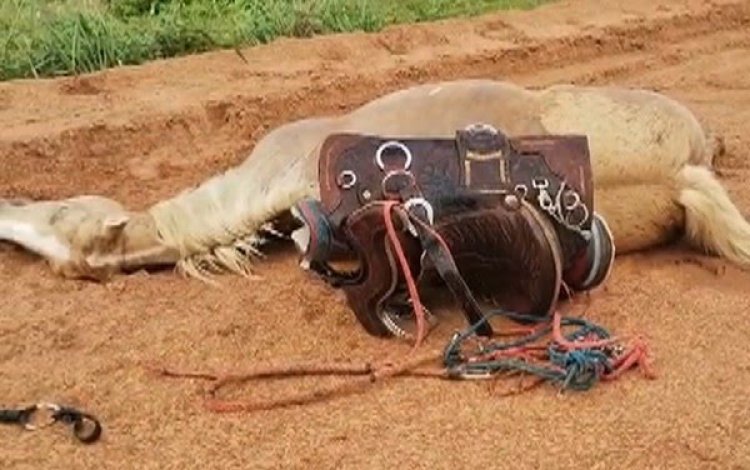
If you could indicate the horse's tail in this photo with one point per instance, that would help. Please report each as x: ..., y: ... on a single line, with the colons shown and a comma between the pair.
x: 712, y: 221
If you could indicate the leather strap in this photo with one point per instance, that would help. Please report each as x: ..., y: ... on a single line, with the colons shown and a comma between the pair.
x: 434, y: 246
x: 441, y: 257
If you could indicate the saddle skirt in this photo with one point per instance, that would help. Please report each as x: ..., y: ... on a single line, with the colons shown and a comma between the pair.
x: 509, y: 220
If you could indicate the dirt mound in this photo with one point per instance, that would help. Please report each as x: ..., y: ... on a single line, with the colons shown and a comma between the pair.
x: 143, y: 133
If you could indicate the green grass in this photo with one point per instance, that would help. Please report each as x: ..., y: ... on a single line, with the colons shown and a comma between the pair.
x: 45, y: 38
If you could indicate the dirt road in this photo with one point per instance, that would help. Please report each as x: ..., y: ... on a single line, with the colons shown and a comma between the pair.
x: 143, y: 133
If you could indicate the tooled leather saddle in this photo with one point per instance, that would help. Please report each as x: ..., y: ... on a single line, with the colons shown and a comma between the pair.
x: 509, y: 219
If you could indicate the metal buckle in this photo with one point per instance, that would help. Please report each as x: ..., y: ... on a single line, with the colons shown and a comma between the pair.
x: 51, y: 408
x: 86, y: 428
x: 461, y: 372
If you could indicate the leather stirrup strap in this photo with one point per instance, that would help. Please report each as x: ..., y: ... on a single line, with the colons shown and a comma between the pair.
x: 441, y: 257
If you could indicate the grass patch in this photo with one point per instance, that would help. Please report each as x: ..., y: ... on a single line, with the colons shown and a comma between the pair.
x: 45, y: 38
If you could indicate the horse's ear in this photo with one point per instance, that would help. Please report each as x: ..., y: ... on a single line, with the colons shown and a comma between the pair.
x: 115, y: 223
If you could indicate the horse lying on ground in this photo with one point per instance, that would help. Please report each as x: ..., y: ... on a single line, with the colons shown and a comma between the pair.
x: 651, y: 162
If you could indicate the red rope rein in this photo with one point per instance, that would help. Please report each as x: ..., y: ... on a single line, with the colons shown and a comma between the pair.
x: 410, y: 282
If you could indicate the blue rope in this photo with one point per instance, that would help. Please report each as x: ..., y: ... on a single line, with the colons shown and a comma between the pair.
x: 576, y: 370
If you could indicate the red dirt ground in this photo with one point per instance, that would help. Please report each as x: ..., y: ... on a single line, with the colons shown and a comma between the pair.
x: 143, y: 133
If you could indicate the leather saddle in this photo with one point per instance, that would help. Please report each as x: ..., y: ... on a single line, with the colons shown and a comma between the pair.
x: 507, y: 220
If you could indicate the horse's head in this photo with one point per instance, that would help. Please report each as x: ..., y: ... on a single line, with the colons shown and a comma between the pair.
x: 88, y: 237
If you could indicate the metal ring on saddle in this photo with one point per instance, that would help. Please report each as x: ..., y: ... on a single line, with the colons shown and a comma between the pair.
x: 578, y: 224
x: 396, y: 181
x: 480, y: 126
x: 393, y: 144
x: 424, y: 204
x: 576, y: 199
x: 344, y: 176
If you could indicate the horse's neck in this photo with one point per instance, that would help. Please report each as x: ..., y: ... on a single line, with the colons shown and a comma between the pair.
x: 230, y: 207
x: 142, y: 244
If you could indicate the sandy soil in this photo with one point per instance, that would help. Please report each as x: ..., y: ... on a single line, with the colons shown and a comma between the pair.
x: 143, y: 133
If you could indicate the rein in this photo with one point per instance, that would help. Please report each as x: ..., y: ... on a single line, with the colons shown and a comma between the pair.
x: 575, y: 361
x: 410, y: 282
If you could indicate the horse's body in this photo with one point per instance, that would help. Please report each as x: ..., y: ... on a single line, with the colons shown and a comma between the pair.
x: 651, y: 164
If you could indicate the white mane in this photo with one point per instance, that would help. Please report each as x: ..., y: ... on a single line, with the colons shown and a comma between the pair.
x: 215, y: 225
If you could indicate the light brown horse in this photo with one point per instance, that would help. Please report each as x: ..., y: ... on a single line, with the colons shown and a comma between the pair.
x: 651, y: 163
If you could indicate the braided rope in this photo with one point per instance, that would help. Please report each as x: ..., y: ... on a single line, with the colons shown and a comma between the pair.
x: 576, y: 361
